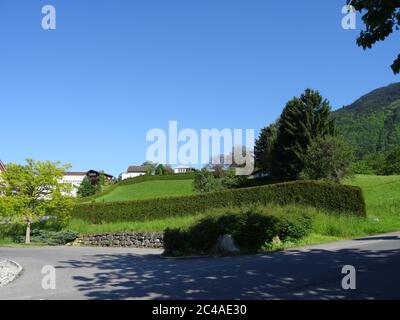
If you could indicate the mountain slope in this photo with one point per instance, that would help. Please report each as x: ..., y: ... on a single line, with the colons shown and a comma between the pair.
x: 372, y: 123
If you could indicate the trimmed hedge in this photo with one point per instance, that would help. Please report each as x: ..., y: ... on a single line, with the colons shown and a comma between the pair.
x: 324, y: 195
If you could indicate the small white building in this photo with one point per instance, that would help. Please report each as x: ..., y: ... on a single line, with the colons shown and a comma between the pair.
x: 75, y: 179
x: 134, y: 171
x: 182, y: 169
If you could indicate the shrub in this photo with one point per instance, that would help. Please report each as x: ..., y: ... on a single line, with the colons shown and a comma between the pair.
x: 51, y: 238
x: 175, y: 242
x: 318, y: 194
x: 392, y: 162
x: 203, y: 236
x: 219, y: 179
x: 251, y: 230
x: 294, y: 227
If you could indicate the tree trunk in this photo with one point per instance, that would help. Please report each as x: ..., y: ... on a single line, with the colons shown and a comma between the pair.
x: 28, y: 232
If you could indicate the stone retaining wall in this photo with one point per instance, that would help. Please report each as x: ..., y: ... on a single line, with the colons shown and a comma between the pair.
x: 123, y: 239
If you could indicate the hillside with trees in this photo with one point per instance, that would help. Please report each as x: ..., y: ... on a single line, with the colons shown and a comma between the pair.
x: 372, y: 123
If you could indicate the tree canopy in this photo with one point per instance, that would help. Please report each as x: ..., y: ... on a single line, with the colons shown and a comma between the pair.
x: 381, y: 18
x: 302, y: 120
x: 32, y: 191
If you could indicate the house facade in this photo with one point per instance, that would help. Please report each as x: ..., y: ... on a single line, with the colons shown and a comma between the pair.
x: 134, y: 171
x: 76, y: 178
x: 182, y: 169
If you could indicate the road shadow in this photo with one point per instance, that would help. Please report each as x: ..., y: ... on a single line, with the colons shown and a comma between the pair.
x: 313, y: 274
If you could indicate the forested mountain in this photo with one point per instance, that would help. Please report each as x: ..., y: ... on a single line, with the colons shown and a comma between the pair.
x: 372, y: 123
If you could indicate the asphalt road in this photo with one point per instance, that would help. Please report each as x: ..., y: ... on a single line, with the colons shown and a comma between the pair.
x: 308, y: 273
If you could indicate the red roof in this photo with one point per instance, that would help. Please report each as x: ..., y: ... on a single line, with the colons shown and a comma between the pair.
x: 2, y: 166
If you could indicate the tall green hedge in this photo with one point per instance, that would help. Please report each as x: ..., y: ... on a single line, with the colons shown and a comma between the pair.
x: 335, y: 197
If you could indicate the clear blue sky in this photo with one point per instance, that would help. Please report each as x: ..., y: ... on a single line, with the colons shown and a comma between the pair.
x: 88, y: 92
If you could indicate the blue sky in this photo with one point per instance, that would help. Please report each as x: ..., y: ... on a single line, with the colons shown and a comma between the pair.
x: 88, y: 92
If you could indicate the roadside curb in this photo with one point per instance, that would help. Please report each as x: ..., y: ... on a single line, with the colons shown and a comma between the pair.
x: 186, y: 257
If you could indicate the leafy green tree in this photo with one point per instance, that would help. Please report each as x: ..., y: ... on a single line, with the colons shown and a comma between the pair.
x: 329, y: 158
x: 205, y: 181
x: 168, y: 169
x: 380, y: 17
x: 159, y: 170
x: 87, y: 188
x: 373, y: 163
x: 102, y: 179
x: 303, y: 120
x: 264, y: 146
x: 208, y: 180
x: 151, y: 167
x: 392, y: 162
x: 32, y: 191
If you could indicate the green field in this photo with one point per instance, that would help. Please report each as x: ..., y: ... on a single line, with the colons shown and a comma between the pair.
x: 149, y: 190
x: 382, y: 194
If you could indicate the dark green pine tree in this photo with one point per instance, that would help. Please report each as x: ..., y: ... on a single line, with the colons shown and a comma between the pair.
x: 263, y: 148
x: 302, y: 120
x: 87, y: 188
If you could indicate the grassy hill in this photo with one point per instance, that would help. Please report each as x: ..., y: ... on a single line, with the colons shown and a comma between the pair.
x: 372, y: 123
x: 149, y: 190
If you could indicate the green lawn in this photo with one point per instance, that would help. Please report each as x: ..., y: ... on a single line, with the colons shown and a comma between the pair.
x: 382, y: 194
x: 84, y: 227
x: 149, y: 190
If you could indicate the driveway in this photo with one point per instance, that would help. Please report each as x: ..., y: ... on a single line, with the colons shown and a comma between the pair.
x: 308, y: 273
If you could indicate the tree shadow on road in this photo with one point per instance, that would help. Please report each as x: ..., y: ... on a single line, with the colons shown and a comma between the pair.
x: 297, y: 274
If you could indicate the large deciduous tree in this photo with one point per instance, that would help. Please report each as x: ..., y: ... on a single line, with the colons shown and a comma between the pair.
x: 32, y: 191
x: 381, y: 18
x: 328, y: 158
x: 302, y: 120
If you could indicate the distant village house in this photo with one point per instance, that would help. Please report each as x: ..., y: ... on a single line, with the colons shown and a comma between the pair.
x: 76, y: 178
x: 134, y: 171
x: 183, y: 169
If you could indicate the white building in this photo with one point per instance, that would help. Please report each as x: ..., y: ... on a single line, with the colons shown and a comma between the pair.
x: 182, y: 169
x: 134, y: 171
x: 75, y: 179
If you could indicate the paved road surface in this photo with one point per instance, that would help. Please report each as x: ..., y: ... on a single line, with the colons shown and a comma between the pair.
x: 307, y: 273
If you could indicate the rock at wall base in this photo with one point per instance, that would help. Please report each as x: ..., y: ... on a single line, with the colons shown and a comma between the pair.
x: 226, y: 244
